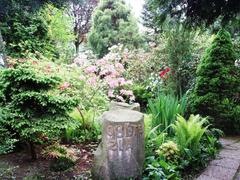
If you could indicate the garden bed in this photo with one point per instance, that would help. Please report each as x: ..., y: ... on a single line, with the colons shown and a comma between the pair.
x: 18, y: 165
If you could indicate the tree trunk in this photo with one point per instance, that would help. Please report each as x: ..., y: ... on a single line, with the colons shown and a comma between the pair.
x: 77, y: 46
x: 33, y: 151
x: 3, y: 61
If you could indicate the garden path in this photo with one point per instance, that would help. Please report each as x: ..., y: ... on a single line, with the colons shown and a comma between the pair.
x: 227, y: 164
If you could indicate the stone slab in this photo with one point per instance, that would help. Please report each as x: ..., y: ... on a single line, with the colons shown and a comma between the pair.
x: 228, y: 141
x: 232, y: 154
x: 226, y: 162
x: 205, y: 177
x: 219, y: 172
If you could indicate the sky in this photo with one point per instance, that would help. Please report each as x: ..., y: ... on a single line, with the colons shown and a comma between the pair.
x: 137, y: 6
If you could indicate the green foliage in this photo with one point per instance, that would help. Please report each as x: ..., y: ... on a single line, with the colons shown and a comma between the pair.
x: 61, y: 164
x: 157, y: 168
x: 218, y: 85
x: 37, y: 111
x: 26, y: 33
x: 112, y: 24
x: 6, y: 137
x: 164, y: 110
x: 84, y: 128
x: 188, y: 134
x: 141, y: 95
x: 179, y: 50
x: 194, y: 12
x: 59, y: 32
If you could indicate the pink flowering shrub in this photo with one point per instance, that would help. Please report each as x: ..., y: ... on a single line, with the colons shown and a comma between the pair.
x: 108, y: 74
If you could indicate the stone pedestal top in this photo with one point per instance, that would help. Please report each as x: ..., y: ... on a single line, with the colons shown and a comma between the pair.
x: 122, y: 115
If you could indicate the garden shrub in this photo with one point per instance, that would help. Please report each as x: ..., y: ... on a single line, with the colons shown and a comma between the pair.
x: 218, y: 85
x: 35, y: 101
x: 169, y: 151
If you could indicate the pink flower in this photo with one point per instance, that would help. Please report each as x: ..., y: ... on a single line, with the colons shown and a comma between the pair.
x: 91, y: 69
x: 121, y: 81
x: 101, y: 62
x: 64, y: 86
x: 92, y: 81
x: 113, y: 83
x: 82, y: 78
x: 119, y: 67
x: 120, y: 98
x: 126, y: 92
x: 110, y: 93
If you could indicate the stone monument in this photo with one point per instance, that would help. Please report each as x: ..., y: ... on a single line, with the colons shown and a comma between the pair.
x: 120, y: 155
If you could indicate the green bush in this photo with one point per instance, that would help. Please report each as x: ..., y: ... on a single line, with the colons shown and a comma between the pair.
x: 169, y: 151
x: 218, y: 85
x: 35, y: 103
x: 164, y: 110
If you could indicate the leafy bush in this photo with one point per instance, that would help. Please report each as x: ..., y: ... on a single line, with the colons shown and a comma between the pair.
x: 169, y: 151
x: 157, y: 168
x: 188, y: 134
x: 164, y: 110
x: 218, y: 85
x: 35, y: 102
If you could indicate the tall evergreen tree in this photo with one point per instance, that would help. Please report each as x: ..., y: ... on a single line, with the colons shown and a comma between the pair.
x: 195, y: 11
x: 218, y: 85
x: 113, y: 24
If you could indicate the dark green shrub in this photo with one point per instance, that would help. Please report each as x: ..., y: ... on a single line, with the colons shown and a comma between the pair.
x: 218, y: 85
x: 36, y: 105
x: 26, y: 33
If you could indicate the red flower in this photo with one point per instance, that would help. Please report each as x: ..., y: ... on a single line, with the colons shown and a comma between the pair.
x: 168, y: 69
x: 164, y: 72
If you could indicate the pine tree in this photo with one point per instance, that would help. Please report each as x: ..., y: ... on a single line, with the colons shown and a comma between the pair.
x: 113, y: 24
x: 218, y: 85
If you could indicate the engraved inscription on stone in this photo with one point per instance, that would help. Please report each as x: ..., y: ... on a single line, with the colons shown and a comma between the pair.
x: 120, y: 137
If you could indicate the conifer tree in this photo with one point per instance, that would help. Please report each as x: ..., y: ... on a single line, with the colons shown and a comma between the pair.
x: 113, y: 24
x: 218, y: 85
